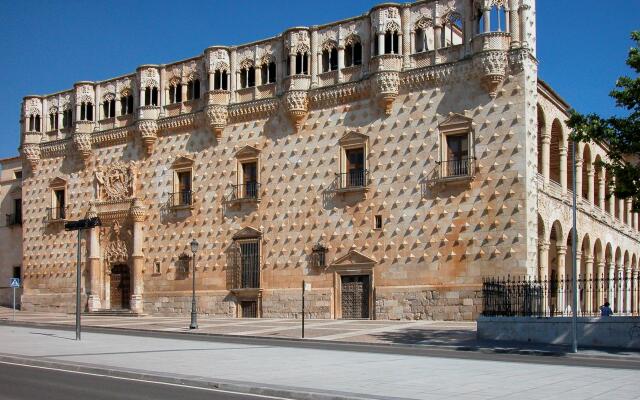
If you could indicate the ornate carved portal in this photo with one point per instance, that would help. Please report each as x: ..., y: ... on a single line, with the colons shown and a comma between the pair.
x: 115, y: 242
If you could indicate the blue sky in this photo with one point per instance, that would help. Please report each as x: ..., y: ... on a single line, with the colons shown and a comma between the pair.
x: 48, y: 45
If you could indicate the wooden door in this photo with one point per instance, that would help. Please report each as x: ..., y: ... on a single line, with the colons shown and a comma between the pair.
x: 120, y: 287
x: 355, y: 296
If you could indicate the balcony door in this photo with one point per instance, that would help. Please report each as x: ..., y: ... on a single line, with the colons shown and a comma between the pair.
x: 457, y: 155
x: 355, y: 167
x: 250, y: 256
x: 250, y: 180
x: 184, y: 187
x: 59, y: 206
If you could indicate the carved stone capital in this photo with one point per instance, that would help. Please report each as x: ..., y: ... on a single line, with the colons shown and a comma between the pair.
x: 31, y: 153
x: 82, y: 143
x: 217, y: 117
x: 138, y: 212
x: 297, y: 106
x: 386, y: 89
x: 492, y: 67
x: 148, y: 130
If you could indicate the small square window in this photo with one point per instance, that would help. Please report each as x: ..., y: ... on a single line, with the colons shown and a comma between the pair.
x: 17, y: 174
x: 377, y: 223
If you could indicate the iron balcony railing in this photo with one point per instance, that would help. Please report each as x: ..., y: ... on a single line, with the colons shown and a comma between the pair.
x: 356, y: 178
x: 531, y: 297
x: 181, y: 199
x: 458, y: 167
x: 14, y: 219
x: 246, y: 191
x: 56, y: 213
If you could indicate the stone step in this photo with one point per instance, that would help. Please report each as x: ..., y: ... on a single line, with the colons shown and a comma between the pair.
x: 113, y: 313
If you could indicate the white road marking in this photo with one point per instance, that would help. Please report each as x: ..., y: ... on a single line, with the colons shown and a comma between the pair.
x: 146, y: 381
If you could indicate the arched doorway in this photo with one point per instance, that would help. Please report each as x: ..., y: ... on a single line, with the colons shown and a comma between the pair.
x: 120, y: 292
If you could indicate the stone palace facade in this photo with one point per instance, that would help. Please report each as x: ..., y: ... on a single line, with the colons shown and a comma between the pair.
x: 391, y: 160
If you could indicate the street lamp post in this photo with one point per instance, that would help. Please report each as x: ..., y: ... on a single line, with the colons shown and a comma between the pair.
x: 194, y: 315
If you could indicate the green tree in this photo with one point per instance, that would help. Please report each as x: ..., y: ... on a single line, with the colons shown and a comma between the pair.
x: 621, y: 135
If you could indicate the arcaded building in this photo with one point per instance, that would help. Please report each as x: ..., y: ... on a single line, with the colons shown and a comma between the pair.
x: 391, y: 160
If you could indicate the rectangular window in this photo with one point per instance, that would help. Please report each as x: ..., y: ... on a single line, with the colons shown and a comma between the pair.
x: 17, y: 174
x: 377, y: 222
x: 17, y: 210
x: 156, y: 268
x: 17, y: 271
x: 250, y: 263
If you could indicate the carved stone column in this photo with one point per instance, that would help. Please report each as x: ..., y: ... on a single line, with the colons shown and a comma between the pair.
x: 93, y: 302
x: 543, y: 269
x: 611, y: 269
x: 314, y: 61
x: 405, y: 16
x: 137, y: 215
x: 514, y: 23
x: 588, y: 276
x: 599, y: 284
x: 546, y: 150
x: 601, y: 190
x: 627, y: 290
x: 578, y: 177
x: 561, y: 252
x: 629, y: 205
x: 591, y: 185
x: 635, y: 292
x: 563, y: 168
x: 620, y: 291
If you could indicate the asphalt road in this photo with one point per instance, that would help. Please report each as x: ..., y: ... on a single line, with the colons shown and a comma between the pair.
x: 24, y: 382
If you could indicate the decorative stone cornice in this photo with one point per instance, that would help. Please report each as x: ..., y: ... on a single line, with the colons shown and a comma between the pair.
x: 179, y: 122
x: 253, y: 110
x: 113, y: 136
x: 82, y: 143
x: 339, y: 94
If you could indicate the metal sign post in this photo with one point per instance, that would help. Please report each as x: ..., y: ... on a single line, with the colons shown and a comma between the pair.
x: 305, y: 287
x: 14, y: 283
x: 79, y: 226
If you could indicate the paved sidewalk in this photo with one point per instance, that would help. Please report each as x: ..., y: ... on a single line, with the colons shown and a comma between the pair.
x: 370, y: 375
x: 441, y: 333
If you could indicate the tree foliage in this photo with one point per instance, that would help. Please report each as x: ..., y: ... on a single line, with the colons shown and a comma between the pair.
x: 620, y: 135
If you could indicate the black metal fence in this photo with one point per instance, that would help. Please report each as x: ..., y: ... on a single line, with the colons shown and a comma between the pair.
x: 531, y: 297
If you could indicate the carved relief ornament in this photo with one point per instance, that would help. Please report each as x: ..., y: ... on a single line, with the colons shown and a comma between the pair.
x: 116, y: 181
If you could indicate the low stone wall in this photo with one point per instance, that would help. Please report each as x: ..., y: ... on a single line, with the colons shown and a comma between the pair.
x: 455, y: 303
x: 287, y: 303
x: 617, y: 332
x: 219, y: 304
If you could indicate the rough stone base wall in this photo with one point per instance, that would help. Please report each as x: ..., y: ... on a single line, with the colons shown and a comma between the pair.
x: 218, y: 304
x: 51, y: 302
x: 287, y: 303
x: 430, y: 303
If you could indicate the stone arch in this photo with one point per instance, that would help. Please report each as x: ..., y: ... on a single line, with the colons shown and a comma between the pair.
x: 556, y: 143
x: 542, y: 130
x: 587, y: 171
x: 598, y: 252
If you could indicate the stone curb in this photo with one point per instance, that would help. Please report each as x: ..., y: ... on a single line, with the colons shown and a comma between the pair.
x: 466, y: 352
x: 194, y: 381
